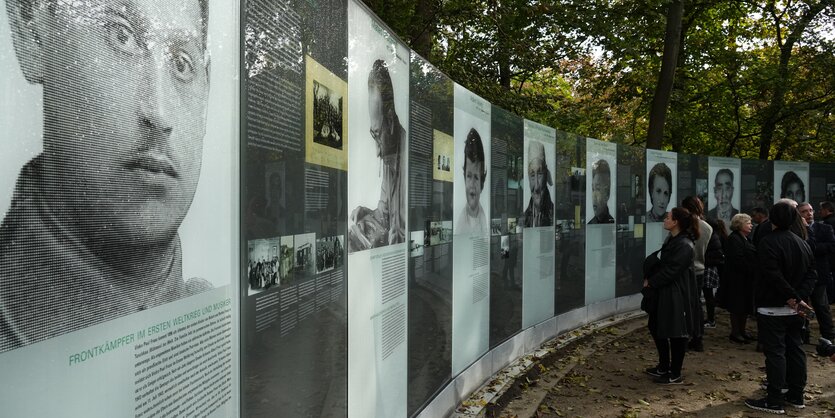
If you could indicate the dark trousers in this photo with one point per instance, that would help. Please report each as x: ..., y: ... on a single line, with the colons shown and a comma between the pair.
x: 820, y: 303
x: 698, y: 316
x: 670, y: 350
x: 710, y: 304
x: 785, y: 360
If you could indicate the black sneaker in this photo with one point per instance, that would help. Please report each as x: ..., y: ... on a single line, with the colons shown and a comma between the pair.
x: 710, y: 324
x: 763, y: 405
x: 656, y: 372
x: 668, y: 379
x: 795, y: 402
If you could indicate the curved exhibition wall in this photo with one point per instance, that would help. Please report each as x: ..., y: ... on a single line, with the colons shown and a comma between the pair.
x: 283, y: 211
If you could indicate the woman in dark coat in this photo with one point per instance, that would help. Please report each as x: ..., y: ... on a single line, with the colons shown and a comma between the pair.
x: 736, y: 289
x: 670, y: 323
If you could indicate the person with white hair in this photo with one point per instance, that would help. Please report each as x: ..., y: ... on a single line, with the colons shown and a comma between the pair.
x: 540, y: 211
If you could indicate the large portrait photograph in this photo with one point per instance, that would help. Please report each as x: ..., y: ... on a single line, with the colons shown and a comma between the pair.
x: 661, y: 188
x: 601, y: 165
x: 538, y: 184
x: 380, y: 117
x: 724, y: 180
x: 471, y: 197
x: 791, y: 181
x: 115, y: 156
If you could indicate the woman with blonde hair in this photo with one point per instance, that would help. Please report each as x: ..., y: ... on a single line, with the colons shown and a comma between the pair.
x: 736, y: 288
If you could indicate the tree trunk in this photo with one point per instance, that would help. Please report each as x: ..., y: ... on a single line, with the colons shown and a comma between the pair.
x: 424, y: 31
x: 664, y: 88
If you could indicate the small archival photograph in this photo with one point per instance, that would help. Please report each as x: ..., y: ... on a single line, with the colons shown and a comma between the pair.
x: 416, y: 243
x: 512, y: 223
x: 440, y: 232
x: 496, y: 226
x: 263, y: 264
x: 326, y: 141
x: 327, y: 116
x: 303, y: 259
x: 329, y: 253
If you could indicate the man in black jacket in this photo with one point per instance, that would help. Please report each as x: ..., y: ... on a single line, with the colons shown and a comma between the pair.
x: 760, y: 217
x: 822, y: 241
x: 786, y: 279
x: 827, y: 212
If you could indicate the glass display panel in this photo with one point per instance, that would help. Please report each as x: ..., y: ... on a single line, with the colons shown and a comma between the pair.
x: 570, y: 231
x: 471, y: 229
x: 601, y: 201
x: 118, y: 200
x: 505, y: 237
x: 430, y: 227
x: 632, y: 195
x: 821, y: 185
x: 294, y: 144
x: 538, y: 223
x: 378, y: 251
x: 757, y: 186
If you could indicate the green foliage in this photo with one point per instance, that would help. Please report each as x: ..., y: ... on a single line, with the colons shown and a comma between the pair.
x: 754, y: 78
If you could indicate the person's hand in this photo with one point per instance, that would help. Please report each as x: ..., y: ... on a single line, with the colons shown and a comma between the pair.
x: 801, y: 307
x: 646, y: 283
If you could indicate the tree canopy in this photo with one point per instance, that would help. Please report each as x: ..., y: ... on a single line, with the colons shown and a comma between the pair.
x: 742, y: 78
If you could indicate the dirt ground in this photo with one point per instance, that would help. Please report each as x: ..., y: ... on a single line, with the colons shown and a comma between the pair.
x: 602, y: 376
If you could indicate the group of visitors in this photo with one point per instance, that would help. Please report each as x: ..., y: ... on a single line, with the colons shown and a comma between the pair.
x: 776, y: 268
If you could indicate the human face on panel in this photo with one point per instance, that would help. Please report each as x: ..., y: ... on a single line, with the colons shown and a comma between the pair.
x: 794, y: 191
x: 375, y: 113
x: 536, y: 179
x: 600, y: 186
x: 660, y: 195
x: 125, y: 87
x: 723, y: 191
x: 473, y: 172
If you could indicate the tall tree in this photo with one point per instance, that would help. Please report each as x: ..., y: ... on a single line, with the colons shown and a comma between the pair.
x: 664, y: 87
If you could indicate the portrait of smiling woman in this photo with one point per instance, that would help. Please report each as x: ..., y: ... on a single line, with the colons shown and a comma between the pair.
x: 97, y: 213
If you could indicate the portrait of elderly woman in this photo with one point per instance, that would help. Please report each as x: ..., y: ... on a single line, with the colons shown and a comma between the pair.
x: 92, y: 230
x: 659, y: 187
x: 791, y: 187
x: 385, y: 225
x: 540, y: 211
x: 473, y: 220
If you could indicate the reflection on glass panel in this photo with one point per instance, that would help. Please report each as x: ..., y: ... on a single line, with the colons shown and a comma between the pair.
x: 757, y: 185
x: 506, y: 238
x: 821, y: 185
x: 569, y: 205
x: 294, y: 211
x: 430, y: 228
x: 631, y: 198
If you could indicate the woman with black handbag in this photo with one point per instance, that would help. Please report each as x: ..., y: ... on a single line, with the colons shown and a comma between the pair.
x: 669, y: 280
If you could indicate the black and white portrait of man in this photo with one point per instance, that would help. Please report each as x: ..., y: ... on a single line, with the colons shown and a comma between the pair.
x: 91, y: 233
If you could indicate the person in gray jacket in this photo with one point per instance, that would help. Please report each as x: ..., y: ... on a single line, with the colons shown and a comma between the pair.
x: 696, y: 207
